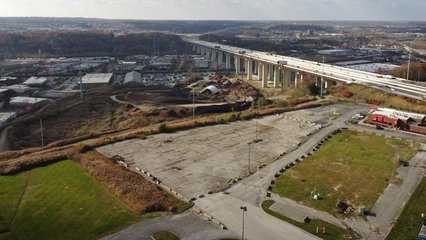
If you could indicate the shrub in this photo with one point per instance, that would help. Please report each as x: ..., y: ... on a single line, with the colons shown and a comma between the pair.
x: 84, y: 147
x: 220, y: 120
x: 260, y: 102
x: 347, y: 94
x: 163, y: 128
x: 282, y: 104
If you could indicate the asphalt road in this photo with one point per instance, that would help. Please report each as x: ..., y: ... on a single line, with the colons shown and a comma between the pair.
x: 186, y: 225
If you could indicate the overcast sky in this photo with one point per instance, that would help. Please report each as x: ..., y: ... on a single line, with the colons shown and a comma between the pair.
x: 220, y: 9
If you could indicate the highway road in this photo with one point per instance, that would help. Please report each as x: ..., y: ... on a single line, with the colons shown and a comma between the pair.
x: 396, y: 85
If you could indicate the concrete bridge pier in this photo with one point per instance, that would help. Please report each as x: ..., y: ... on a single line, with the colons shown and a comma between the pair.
x: 220, y: 59
x: 227, y: 61
x: 260, y: 71
x: 237, y: 60
x: 265, y: 71
x: 286, y: 78
x: 276, y: 76
x: 249, y: 69
x: 270, y: 72
x: 214, y: 55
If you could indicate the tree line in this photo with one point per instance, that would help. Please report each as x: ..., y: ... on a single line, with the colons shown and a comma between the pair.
x: 79, y: 43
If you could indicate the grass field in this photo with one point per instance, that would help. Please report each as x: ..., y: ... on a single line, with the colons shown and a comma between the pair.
x: 352, y: 166
x: 60, y: 201
x: 408, y: 224
x: 332, y: 232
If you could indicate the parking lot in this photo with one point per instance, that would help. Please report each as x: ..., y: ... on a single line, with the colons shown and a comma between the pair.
x: 205, y: 159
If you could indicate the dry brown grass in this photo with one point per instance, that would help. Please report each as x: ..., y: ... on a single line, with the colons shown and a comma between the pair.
x: 27, y: 162
x: 358, y: 93
x: 138, y: 193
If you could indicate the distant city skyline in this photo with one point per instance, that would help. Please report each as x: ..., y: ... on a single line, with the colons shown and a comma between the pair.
x: 379, y: 10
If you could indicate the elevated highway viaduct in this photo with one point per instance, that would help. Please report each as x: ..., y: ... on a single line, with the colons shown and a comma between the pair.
x: 281, y: 71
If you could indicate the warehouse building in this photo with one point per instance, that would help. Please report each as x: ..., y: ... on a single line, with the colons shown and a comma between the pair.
x: 36, y: 81
x: 133, y: 78
x: 97, y: 79
x: 28, y: 102
x: 391, y: 118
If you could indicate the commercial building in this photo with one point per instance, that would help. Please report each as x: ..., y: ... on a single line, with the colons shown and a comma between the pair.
x: 335, y: 52
x: 36, y: 81
x: 97, y: 79
x: 8, y: 80
x: 163, y: 62
x: 20, y: 88
x: 391, y: 118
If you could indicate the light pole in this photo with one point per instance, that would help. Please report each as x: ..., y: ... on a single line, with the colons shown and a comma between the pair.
x: 244, y: 209
x: 322, y: 76
x: 248, y: 168
x: 409, y: 61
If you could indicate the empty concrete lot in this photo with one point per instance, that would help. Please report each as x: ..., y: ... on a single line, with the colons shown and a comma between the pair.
x: 196, y: 161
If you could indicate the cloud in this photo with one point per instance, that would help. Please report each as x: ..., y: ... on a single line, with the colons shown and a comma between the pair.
x: 221, y: 9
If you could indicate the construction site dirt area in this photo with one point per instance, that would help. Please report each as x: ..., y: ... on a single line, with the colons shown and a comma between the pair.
x: 205, y: 159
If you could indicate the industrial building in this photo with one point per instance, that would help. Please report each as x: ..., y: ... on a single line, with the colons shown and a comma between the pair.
x: 8, y: 80
x: 28, y: 102
x: 5, y: 116
x: 20, y: 88
x: 97, y: 79
x: 36, y: 81
x: 133, y: 78
x: 391, y: 118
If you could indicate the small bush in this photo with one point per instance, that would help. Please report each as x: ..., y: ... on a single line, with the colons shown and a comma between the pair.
x: 220, y: 120
x: 163, y: 128
x: 347, y: 94
x: 260, y: 102
x: 84, y: 147
x: 282, y: 104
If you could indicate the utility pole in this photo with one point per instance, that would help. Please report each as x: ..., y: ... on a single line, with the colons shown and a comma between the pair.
x: 244, y: 209
x: 408, y: 68
x: 41, y: 134
x: 81, y: 81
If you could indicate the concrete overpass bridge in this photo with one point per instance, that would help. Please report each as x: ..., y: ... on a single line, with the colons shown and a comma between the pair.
x: 281, y: 71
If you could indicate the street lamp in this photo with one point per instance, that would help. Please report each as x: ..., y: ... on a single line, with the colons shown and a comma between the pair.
x: 243, y: 209
x: 248, y: 168
x: 409, y: 61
